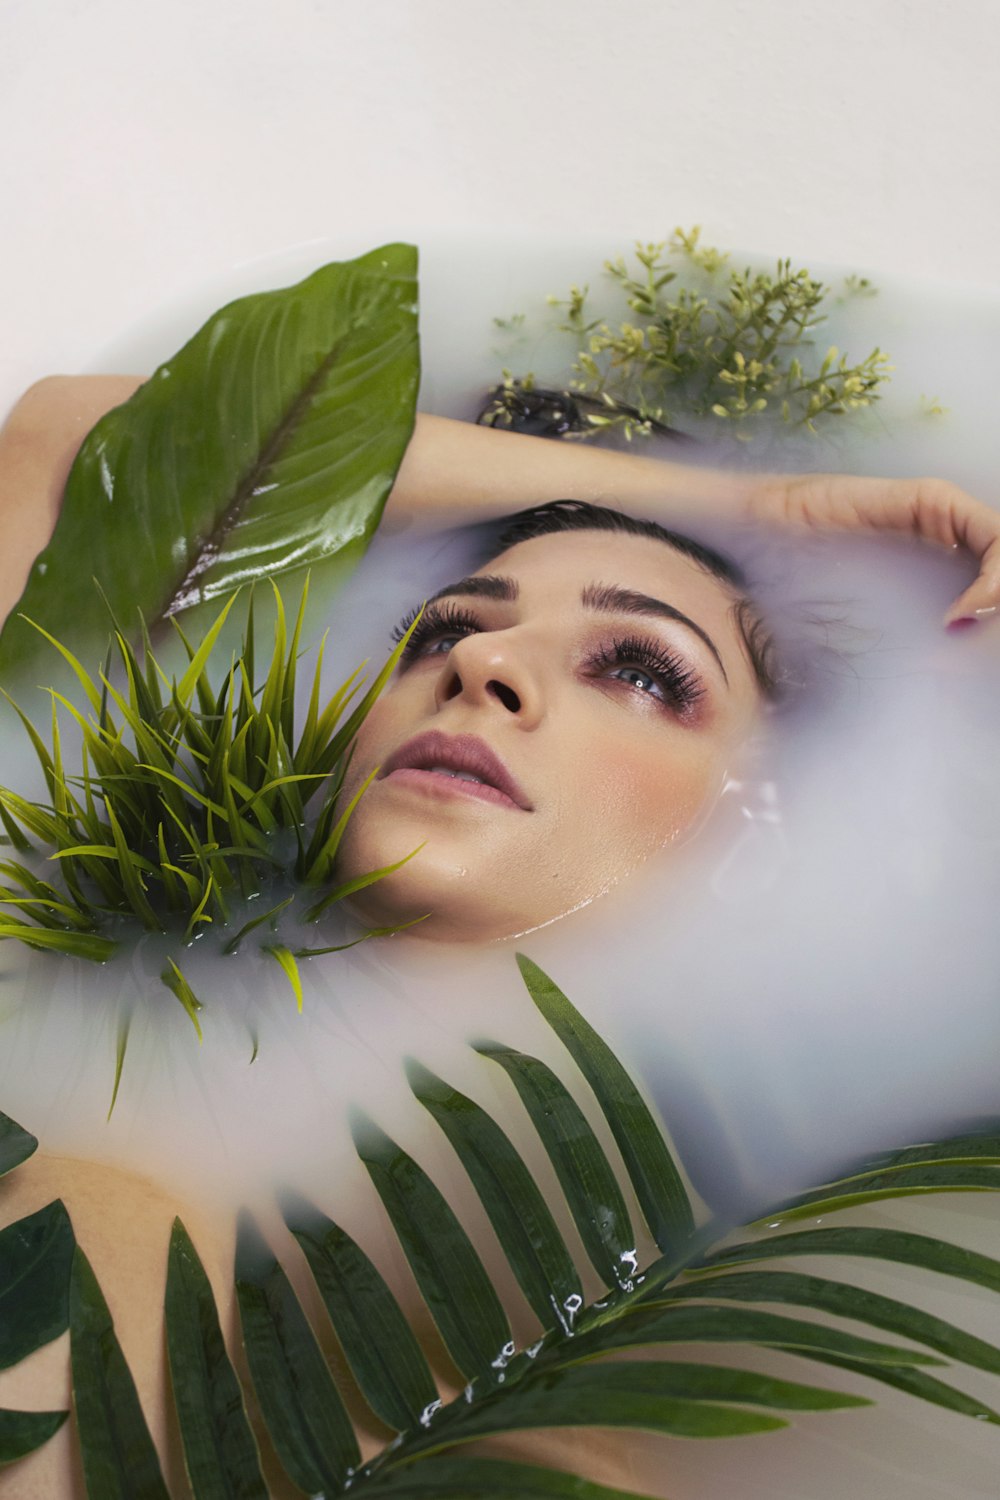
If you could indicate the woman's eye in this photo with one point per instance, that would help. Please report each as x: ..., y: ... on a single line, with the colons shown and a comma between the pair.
x: 441, y: 645
x: 637, y: 678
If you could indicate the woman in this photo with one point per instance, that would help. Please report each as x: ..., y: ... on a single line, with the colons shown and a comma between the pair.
x: 523, y: 742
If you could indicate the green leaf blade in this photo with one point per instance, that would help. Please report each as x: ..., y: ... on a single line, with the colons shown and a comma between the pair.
x: 515, y: 1205
x: 449, y: 1272
x: 36, y: 1256
x: 219, y: 1448
x: 21, y: 1432
x: 657, y: 1182
x: 119, y: 1459
x: 16, y: 1145
x: 584, y: 1172
x: 465, y: 1478
x: 311, y: 392
x: 386, y: 1360
x: 309, y: 1426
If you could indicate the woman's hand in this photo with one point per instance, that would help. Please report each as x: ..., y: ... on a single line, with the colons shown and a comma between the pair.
x: 930, y: 508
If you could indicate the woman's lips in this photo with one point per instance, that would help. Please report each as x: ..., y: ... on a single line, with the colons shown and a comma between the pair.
x: 454, y: 764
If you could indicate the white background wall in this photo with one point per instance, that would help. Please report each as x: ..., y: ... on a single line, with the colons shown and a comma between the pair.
x: 145, y: 147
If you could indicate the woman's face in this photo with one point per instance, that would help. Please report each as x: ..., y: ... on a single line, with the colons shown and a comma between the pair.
x: 558, y: 717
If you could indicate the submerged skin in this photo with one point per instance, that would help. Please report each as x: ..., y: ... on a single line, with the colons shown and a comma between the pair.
x: 611, y: 764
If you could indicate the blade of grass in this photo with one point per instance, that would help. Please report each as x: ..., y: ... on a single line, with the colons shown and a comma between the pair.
x: 285, y: 959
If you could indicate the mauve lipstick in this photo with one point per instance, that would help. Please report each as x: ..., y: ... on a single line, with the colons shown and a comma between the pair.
x: 426, y: 761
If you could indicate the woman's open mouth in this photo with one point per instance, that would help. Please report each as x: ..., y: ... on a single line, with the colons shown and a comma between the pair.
x: 454, y: 765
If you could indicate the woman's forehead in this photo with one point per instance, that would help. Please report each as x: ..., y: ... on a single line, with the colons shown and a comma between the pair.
x: 568, y: 562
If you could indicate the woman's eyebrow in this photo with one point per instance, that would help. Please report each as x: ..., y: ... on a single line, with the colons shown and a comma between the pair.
x: 612, y: 600
x: 480, y: 586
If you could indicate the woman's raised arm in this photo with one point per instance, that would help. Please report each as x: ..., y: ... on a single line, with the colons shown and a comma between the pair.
x: 453, y: 468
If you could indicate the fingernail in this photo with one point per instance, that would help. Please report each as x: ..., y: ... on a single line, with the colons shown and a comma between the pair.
x: 964, y: 622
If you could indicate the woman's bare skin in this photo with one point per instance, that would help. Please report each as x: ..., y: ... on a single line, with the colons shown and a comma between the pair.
x: 450, y: 469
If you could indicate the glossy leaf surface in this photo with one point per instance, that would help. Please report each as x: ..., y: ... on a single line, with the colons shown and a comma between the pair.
x: 270, y: 441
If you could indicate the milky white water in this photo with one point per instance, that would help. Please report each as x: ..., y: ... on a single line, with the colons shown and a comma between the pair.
x: 814, y: 978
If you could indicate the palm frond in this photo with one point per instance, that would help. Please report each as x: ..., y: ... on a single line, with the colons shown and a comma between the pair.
x: 702, y: 1291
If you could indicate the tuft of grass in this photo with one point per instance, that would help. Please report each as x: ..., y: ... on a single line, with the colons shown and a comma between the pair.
x: 189, y: 798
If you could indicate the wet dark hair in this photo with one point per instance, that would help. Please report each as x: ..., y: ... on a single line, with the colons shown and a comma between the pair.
x: 580, y: 515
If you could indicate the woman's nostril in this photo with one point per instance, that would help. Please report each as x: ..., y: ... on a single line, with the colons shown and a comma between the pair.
x: 507, y: 696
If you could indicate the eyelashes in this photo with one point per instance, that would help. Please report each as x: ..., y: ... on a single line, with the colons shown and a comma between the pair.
x: 678, y: 686
x: 437, y: 622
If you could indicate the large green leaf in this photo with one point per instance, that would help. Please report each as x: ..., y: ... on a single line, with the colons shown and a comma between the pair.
x: 270, y: 441
x: 36, y: 1255
x: 683, y: 1400
x: 119, y: 1459
x: 794, y: 1289
x: 899, y: 1245
x: 219, y: 1448
x: 16, y: 1145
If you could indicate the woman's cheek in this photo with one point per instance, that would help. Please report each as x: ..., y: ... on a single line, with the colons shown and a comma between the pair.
x: 651, y: 799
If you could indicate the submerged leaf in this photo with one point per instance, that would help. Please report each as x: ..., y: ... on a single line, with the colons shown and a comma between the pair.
x: 16, y: 1145
x: 270, y: 441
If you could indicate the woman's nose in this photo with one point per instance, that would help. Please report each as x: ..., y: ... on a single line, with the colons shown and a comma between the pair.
x: 489, y: 670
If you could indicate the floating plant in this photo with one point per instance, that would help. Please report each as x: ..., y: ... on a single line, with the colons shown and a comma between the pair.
x: 192, y: 799
x: 702, y: 341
